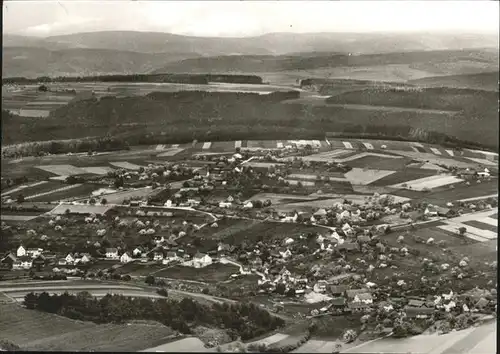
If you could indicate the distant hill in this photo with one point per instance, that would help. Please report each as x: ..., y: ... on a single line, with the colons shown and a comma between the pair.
x: 483, y: 81
x: 272, y: 43
x: 36, y: 61
x: 425, y: 63
x: 138, y: 52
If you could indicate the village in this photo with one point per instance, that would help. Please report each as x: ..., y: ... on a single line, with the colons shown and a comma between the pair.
x: 277, y: 224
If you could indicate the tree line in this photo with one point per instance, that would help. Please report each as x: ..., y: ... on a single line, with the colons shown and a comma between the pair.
x: 199, y: 79
x: 244, y: 320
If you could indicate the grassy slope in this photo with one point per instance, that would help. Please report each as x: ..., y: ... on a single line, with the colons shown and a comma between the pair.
x: 483, y: 81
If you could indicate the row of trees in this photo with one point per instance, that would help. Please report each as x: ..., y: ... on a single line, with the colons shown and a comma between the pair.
x: 243, y: 320
x: 167, y: 78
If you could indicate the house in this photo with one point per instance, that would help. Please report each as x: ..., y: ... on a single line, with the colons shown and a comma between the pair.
x: 337, y: 290
x: 39, y: 262
x: 432, y: 211
x: 419, y: 303
x: 201, y: 260
x: 225, y: 204
x: 69, y: 259
x: 112, y: 253
x: 363, y: 238
x: 21, y: 251
x: 8, y: 261
x: 286, y: 254
x: 137, y: 252
x: 320, y: 286
x: 62, y: 262
x: 348, y: 247
x: 320, y: 213
x: 125, y: 258
x: 363, y: 297
x: 418, y: 312
x: 351, y: 294
x: 170, y: 257
x: 34, y: 252
x: 84, y: 258
x: 24, y: 262
x: 159, y: 239
x: 338, y: 304
x: 357, y: 307
x: 157, y: 256
x: 481, y: 304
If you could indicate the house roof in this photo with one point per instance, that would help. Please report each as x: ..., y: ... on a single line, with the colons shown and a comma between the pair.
x: 338, y: 301
x: 24, y: 259
x: 111, y: 250
x: 364, y: 238
x: 416, y: 303
x: 482, y: 302
x: 415, y: 311
x: 364, y: 296
x: 354, y: 292
x: 357, y: 305
x: 171, y: 254
x: 199, y: 255
x: 337, y: 289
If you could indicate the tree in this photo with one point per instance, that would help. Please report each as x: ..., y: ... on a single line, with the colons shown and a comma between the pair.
x: 104, y: 201
x: 280, y: 289
x: 30, y: 301
x: 20, y: 198
x: 92, y: 201
x: 43, y: 88
x: 150, y: 280
x: 462, y: 230
x: 290, y: 292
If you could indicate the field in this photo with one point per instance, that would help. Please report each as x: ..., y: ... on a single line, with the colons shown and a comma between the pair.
x: 379, y: 162
x: 280, y: 198
x: 23, y: 326
x: 366, y: 176
x: 83, y: 190
x: 34, y: 331
x: 211, y: 273
x: 430, y: 182
x: 108, y: 337
x: 403, y: 176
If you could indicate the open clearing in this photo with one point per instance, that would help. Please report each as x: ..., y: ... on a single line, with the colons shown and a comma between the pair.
x: 483, y: 161
x: 170, y: 152
x: 366, y: 176
x: 97, y: 170
x: 57, y: 190
x: 22, y: 187
x: 83, y: 190
x: 271, y: 339
x: 476, y: 233
x: 16, y: 217
x: 119, y: 197
x: 432, y: 158
x: 428, y: 182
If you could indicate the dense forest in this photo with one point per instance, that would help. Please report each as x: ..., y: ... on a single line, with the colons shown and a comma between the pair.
x: 243, y: 320
x: 181, y: 117
x: 199, y: 79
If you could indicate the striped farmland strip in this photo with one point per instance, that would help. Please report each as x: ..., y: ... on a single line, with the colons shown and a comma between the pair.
x: 175, y: 146
x: 279, y: 145
x: 415, y: 149
x: 52, y: 191
x: 23, y: 187
x: 207, y: 145
x: 159, y: 147
x: 450, y: 152
x: 348, y: 145
x: 414, y: 143
x: 237, y: 144
x: 368, y: 146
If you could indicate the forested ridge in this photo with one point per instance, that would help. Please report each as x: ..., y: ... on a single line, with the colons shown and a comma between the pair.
x: 243, y: 320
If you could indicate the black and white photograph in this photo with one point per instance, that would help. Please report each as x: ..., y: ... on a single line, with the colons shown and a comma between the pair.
x: 249, y: 176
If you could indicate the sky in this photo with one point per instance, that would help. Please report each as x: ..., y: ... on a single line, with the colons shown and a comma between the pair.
x: 247, y: 18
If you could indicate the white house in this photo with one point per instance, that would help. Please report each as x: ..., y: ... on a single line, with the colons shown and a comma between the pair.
x: 225, y: 204
x: 21, y: 251
x: 201, y: 260
x: 137, y: 252
x: 125, y: 258
x: 34, y: 252
x: 22, y: 263
x: 170, y: 257
x: 248, y: 205
x: 286, y: 254
x: 112, y: 253
x: 157, y: 256
x: 320, y: 286
x: 85, y: 258
x: 69, y: 259
x: 363, y: 298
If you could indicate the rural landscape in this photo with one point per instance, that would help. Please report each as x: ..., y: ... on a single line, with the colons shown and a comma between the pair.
x: 288, y: 192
